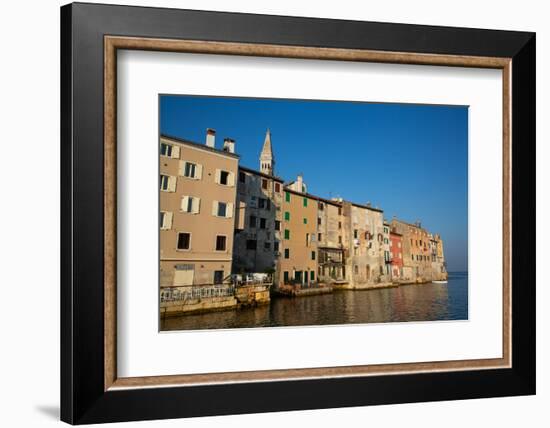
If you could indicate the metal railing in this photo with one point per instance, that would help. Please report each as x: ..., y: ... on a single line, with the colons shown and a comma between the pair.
x: 174, y: 294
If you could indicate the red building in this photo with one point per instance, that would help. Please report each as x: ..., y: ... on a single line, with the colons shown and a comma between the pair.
x: 396, y: 249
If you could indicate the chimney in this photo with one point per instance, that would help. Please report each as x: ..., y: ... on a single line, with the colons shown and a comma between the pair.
x: 229, y: 145
x: 300, y: 183
x: 210, y: 137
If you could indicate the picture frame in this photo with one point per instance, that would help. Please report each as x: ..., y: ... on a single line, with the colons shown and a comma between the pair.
x: 91, y: 391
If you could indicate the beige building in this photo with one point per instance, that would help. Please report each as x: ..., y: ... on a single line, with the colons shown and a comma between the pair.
x: 197, y: 205
x: 365, y: 264
x: 330, y: 241
x: 258, y: 217
x: 298, y: 264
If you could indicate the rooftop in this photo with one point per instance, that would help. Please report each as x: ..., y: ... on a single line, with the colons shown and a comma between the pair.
x: 199, y: 146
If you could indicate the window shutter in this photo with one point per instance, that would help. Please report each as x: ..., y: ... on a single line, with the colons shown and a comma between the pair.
x: 218, y: 174
x: 184, y: 202
x: 198, y: 172
x: 215, y: 208
x: 196, y: 205
x: 171, y: 184
x: 176, y: 152
x: 229, y: 210
x: 167, y: 220
x: 181, y: 167
x: 231, y: 179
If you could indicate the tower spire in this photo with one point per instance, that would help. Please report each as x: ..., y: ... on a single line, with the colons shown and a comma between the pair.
x: 267, y: 160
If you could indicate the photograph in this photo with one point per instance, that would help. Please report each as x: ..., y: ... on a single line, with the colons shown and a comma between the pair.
x: 292, y: 212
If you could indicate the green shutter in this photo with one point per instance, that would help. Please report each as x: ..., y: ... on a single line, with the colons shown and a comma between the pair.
x: 287, y: 253
x: 312, y: 275
x: 287, y: 234
x: 287, y: 196
x: 305, y: 220
x: 305, y: 202
x: 287, y: 215
x: 285, y: 276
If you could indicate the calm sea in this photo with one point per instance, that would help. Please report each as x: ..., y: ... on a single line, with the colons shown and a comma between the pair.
x: 423, y: 302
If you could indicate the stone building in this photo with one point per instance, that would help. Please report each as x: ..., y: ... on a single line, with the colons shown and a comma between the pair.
x: 330, y: 241
x: 197, y: 188
x: 386, y: 248
x: 298, y: 264
x: 364, y: 235
x: 257, y: 222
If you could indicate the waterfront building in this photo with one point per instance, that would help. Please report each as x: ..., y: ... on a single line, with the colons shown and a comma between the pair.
x: 258, y: 217
x: 417, y: 252
x: 197, y: 188
x: 330, y: 241
x: 396, y: 255
x: 298, y: 263
x: 364, y: 236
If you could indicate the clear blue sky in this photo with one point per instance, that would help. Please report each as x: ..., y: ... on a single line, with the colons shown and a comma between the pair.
x: 410, y: 160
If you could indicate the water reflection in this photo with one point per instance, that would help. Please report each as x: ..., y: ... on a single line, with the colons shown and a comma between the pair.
x: 425, y: 302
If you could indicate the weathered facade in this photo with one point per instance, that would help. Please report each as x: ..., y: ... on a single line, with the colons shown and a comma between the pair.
x: 364, y: 236
x: 197, y: 188
x: 257, y: 222
x: 330, y: 241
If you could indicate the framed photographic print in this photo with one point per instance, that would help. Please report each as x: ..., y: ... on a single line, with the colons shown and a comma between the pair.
x: 266, y: 213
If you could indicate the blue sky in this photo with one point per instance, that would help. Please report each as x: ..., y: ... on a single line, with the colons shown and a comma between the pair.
x: 410, y: 160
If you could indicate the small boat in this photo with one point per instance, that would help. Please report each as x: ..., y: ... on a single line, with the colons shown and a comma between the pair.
x: 440, y: 282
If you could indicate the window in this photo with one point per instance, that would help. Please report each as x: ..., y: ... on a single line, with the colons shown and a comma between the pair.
x: 339, y: 210
x: 340, y: 239
x: 311, y: 276
x: 339, y: 225
x: 355, y: 233
x: 287, y: 253
x: 305, y: 202
x: 262, y: 223
x: 220, y: 242
x: 261, y: 203
x: 307, y: 239
x: 166, y: 150
x: 165, y: 220
x: 321, y: 206
x: 184, y: 241
x: 412, y: 256
x: 305, y: 220
x: 318, y: 221
x: 190, y: 170
x: 267, y: 204
x: 287, y: 234
x: 251, y: 244
x: 218, y: 276
x: 167, y: 183
x: 264, y: 183
x: 242, y: 177
x: 356, y: 269
x: 276, y: 247
x: 277, y: 225
x: 287, y: 215
x: 267, y: 245
x: 222, y: 209
x: 252, y: 221
x: 287, y: 196
x: 277, y: 187
x: 285, y: 277
x: 224, y: 177
x: 320, y: 236
x: 190, y: 204
x: 313, y: 255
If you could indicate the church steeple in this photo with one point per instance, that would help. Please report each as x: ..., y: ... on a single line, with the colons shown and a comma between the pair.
x: 267, y: 160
